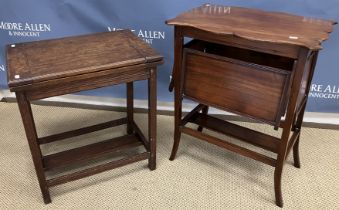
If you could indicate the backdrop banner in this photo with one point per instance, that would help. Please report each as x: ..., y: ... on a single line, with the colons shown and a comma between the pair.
x: 30, y: 20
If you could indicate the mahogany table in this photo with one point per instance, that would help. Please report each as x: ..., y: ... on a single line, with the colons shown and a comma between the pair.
x: 249, y: 62
x: 43, y: 69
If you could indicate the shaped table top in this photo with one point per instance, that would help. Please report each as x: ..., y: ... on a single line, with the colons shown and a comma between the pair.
x: 257, y: 25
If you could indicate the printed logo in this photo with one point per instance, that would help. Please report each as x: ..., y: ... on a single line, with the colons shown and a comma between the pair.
x: 25, y: 29
x: 324, y: 91
x: 2, y: 68
x: 147, y: 36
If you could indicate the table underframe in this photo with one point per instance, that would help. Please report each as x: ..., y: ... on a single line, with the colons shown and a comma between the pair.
x: 305, y: 61
x: 133, y: 138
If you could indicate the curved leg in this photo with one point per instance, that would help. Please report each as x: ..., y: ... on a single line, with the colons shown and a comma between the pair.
x: 296, y: 154
x: 289, y: 121
x: 177, y: 135
x: 177, y: 75
x: 277, y: 183
x: 204, y: 111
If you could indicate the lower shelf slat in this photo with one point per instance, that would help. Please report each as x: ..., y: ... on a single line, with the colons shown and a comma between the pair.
x: 82, y: 131
x: 256, y: 138
x: 91, y: 151
x: 97, y: 169
x: 229, y: 146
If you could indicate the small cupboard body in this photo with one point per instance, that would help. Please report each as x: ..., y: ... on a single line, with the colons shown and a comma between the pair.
x: 237, y: 80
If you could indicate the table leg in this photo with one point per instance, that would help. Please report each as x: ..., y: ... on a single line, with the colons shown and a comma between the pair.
x: 32, y: 137
x: 152, y: 120
x: 203, y: 111
x: 177, y: 74
x: 129, y: 87
x: 290, y: 114
x: 296, y: 156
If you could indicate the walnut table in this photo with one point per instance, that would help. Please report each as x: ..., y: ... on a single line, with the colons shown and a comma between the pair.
x: 43, y: 69
x: 249, y: 62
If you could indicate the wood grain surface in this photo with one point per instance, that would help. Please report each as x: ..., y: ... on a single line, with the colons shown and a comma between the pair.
x: 233, y: 85
x: 34, y: 62
x: 258, y: 25
x: 249, y: 62
x: 43, y: 69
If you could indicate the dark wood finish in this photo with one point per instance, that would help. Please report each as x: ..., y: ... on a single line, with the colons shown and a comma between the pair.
x: 152, y: 116
x: 296, y: 157
x: 43, y: 69
x: 82, y: 131
x: 253, y: 137
x: 300, y: 116
x: 250, y: 62
x: 236, y: 92
x: 292, y: 104
x: 252, y: 24
x: 129, y: 104
x: 88, y: 152
x: 141, y: 136
x: 246, y: 55
x: 290, y: 51
x: 59, y: 58
x: 41, y: 91
x: 229, y: 146
x: 98, y: 169
x: 204, y: 111
x: 294, y: 138
x: 177, y: 83
x: 32, y: 138
x: 192, y: 114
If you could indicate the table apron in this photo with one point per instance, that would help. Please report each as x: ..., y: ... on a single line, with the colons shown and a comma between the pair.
x: 82, y: 83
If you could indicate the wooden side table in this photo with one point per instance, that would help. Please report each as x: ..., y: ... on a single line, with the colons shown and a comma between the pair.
x: 43, y: 69
x: 253, y: 63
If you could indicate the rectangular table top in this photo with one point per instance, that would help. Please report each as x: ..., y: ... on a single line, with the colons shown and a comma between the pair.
x: 40, y: 61
x: 257, y: 25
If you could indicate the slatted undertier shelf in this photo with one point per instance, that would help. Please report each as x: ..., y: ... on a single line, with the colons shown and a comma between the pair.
x: 93, y: 152
x: 249, y: 136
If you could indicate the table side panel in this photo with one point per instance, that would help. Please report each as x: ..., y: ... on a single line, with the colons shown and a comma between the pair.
x: 237, y: 88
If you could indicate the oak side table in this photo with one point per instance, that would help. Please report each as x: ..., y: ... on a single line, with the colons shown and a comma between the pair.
x: 249, y: 62
x: 43, y: 69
